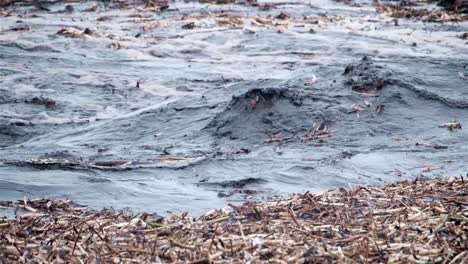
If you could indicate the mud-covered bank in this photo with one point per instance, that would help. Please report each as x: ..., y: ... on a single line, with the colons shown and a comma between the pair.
x: 187, y: 105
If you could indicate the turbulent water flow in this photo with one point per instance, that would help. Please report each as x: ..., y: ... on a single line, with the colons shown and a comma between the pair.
x: 127, y: 107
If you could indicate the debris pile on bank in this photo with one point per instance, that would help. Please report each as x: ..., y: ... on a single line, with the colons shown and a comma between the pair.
x: 420, y: 222
x: 422, y: 14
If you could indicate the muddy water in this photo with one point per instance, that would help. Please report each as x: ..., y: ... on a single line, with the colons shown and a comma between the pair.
x: 138, y: 112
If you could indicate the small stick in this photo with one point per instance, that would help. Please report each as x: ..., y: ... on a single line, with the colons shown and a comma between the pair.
x: 457, y: 257
x: 240, y: 229
x: 232, y: 249
x: 19, y: 250
x: 76, y: 240
x: 293, y: 216
x: 213, y: 238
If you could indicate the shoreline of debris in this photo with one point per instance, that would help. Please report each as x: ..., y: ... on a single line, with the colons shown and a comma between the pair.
x: 411, y: 221
x: 446, y: 11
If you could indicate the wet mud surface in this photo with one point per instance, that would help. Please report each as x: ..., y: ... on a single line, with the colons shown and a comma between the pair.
x: 200, y: 104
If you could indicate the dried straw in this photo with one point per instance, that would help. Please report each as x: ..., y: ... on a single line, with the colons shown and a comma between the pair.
x: 408, y: 222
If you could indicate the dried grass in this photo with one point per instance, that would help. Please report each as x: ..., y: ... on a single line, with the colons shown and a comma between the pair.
x: 422, y: 14
x: 408, y: 222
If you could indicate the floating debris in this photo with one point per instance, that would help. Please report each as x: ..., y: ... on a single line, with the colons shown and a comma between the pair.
x: 91, y: 9
x: 429, y: 169
x: 464, y: 35
x: 227, y: 20
x: 69, y: 9
x: 89, y: 31
x: 174, y: 159
x: 190, y: 25
x: 356, y: 108
x: 117, y: 45
x: 276, y: 139
x: 104, y: 18
x: 417, y: 222
x: 451, y: 125
x: 380, y: 108
x: 20, y: 28
x: 236, y: 184
x: 70, y: 32
x: 422, y: 14
x: 318, y: 130
x: 156, y: 5
x: 151, y: 26
x: 437, y: 146
x: 367, y: 103
x: 434, y: 146
x: 283, y: 16
x: 48, y: 103
x: 72, y: 164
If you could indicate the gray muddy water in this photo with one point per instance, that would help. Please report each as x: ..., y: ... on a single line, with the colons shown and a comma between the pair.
x: 124, y: 106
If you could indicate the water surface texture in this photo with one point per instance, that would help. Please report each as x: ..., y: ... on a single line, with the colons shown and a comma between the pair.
x: 128, y: 107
